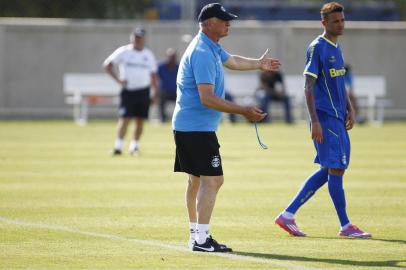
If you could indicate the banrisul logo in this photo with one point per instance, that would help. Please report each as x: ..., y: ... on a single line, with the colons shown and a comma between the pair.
x: 215, y: 162
x: 336, y: 72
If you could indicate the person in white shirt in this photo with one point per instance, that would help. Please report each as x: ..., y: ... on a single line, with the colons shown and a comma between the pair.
x: 134, y: 67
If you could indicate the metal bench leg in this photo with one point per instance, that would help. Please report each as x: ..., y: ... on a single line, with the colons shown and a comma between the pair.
x: 380, y: 113
x: 83, y: 115
x: 371, y: 108
x: 76, y: 113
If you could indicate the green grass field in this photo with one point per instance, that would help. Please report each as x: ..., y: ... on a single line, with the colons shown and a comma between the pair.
x: 65, y: 203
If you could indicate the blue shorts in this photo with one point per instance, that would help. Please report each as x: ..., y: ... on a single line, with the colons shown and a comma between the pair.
x: 334, y: 152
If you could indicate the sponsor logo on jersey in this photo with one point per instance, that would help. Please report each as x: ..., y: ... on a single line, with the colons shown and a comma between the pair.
x: 137, y: 65
x: 336, y: 72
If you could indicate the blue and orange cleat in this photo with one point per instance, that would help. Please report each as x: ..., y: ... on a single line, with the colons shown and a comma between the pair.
x: 355, y: 232
x: 289, y: 225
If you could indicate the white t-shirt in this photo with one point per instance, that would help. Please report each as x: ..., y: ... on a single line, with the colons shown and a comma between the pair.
x: 134, y: 66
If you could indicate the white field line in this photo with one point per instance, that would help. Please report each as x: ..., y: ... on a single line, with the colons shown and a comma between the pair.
x: 153, y: 244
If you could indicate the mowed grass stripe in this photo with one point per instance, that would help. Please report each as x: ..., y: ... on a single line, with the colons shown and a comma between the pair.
x: 232, y: 256
x: 53, y: 172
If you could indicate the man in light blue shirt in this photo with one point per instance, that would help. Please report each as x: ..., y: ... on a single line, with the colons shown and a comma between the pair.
x: 202, y: 63
x: 200, y: 101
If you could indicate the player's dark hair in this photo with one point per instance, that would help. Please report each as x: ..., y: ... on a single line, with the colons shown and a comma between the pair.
x: 329, y: 8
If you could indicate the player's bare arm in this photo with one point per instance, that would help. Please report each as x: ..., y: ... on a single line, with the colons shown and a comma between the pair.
x: 209, y: 99
x: 237, y: 62
x: 109, y: 68
x: 350, y: 118
x: 317, y: 131
x: 154, y: 87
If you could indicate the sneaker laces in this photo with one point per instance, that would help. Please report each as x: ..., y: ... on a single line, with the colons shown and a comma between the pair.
x: 214, y: 241
x: 354, y: 227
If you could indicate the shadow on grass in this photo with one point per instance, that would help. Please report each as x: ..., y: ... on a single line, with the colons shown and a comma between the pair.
x: 389, y: 263
x: 397, y: 241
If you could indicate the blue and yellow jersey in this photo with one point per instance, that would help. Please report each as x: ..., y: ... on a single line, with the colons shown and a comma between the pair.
x: 324, y: 61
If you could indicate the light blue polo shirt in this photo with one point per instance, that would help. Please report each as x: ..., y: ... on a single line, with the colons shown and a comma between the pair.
x: 202, y: 63
x: 325, y: 62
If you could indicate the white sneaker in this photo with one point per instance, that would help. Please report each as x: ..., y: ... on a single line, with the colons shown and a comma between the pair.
x: 134, y: 151
x: 191, y: 243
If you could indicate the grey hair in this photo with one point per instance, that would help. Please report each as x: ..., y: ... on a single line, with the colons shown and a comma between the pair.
x: 203, y: 23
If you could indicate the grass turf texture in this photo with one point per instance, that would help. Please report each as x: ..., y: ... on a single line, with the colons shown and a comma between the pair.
x: 65, y: 203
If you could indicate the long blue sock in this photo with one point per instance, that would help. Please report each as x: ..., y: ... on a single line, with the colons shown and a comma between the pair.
x: 335, y: 187
x: 310, y: 186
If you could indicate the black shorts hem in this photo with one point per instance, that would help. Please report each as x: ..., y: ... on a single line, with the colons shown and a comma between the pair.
x: 196, y: 174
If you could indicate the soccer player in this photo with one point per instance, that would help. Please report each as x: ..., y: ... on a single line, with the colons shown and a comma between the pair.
x: 133, y: 66
x: 331, y: 115
x: 199, y: 103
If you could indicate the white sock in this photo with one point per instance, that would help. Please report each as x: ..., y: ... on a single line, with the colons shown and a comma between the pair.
x: 118, y: 144
x: 202, y: 233
x: 345, y: 226
x: 288, y: 215
x: 192, y: 230
x: 133, y: 145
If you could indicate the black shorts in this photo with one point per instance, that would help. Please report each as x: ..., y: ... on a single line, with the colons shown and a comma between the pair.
x: 134, y: 103
x: 197, y: 153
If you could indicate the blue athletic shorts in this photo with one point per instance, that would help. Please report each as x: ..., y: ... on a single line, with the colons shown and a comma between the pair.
x: 334, y: 152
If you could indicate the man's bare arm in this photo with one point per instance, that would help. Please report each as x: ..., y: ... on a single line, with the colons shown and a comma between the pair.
x: 210, y: 100
x: 237, y: 62
x: 317, y: 131
x: 311, y: 105
x: 350, y: 118
x: 109, y: 68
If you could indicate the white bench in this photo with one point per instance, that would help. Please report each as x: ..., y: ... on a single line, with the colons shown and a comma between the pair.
x: 370, y: 91
x: 82, y: 89
x: 371, y: 94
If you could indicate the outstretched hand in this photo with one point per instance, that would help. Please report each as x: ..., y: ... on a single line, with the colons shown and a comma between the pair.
x: 267, y: 63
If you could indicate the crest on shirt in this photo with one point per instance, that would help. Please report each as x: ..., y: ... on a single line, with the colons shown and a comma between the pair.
x: 215, y: 162
x: 332, y: 59
x: 344, y: 159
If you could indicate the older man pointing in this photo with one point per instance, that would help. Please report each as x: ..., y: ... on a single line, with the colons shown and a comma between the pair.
x: 200, y: 101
